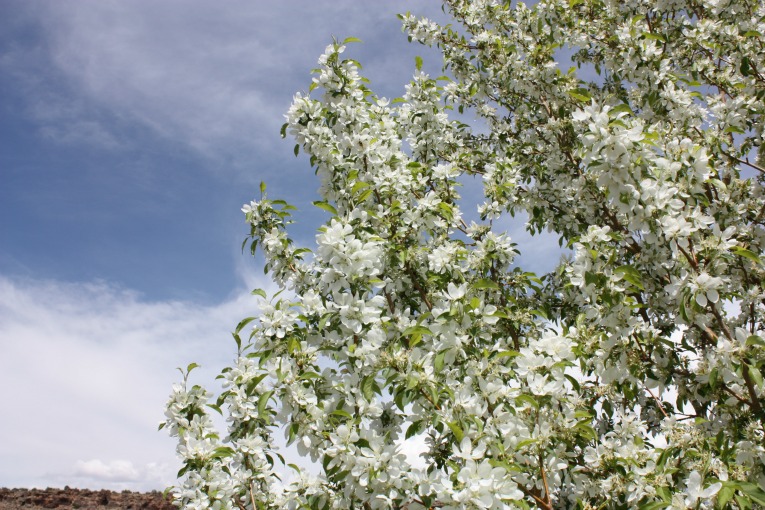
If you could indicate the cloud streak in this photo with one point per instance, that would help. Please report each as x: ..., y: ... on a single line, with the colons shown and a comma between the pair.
x: 211, y: 79
x: 85, y: 370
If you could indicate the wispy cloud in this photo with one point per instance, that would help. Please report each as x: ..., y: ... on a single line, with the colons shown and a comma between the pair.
x: 85, y: 370
x: 210, y: 78
x: 119, y: 474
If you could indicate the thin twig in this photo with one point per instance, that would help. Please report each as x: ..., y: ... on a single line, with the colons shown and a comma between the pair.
x: 548, y: 501
x: 661, y: 406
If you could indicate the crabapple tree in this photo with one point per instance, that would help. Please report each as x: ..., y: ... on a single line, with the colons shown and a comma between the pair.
x: 631, y: 376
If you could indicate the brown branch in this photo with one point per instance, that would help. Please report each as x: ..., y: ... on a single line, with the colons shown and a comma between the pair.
x: 252, y: 495
x: 711, y: 335
x: 661, y: 406
x: 643, y: 313
x: 720, y: 321
x: 735, y: 395
x: 691, y: 260
x: 436, y: 504
x: 419, y: 289
x: 548, y: 500
x: 533, y: 494
x: 427, y: 397
x: 755, y: 400
x: 747, y: 163
x: 389, y: 299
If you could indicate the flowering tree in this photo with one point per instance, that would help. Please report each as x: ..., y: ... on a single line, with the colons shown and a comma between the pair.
x: 629, y: 377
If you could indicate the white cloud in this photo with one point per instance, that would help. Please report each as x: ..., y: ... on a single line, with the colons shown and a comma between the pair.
x: 116, y: 471
x: 213, y: 79
x: 85, y: 370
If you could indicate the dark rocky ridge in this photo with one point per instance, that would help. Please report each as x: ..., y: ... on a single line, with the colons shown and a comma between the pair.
x: 81, y: 499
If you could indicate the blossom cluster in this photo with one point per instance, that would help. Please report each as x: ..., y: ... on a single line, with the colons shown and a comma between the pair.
x: 631, y: 376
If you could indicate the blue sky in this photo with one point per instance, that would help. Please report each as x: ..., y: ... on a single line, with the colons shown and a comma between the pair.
x: 131, y: 132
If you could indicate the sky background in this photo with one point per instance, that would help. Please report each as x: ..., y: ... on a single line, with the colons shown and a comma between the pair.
x: 131, y: 132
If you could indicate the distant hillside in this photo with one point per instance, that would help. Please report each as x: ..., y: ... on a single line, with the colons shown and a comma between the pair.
x: 81, y: 499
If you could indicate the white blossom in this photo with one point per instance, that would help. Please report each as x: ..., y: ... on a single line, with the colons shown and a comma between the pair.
x: 630, y: 376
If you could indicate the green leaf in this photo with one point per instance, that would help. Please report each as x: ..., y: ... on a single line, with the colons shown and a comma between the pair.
x: 573, y: 382
x: 528, y: 399
x: 368, y: 387
x: 296, y: 150
x: 417, y: 330
x: 725, y: 495
x: 250, y: 386
x: 631, y: 275
x: 755, y: 493
x: 348, y: 40
x: 744, y: 503
x: 401, y: 400
x: 415, y: 334
x: 446, y: 210
x: 292, y: 433
x: 243, y: 323
x: 325, y: 206
x: 663, y: 493
x: 655, y: 505
x: 438, y: 362
x: 456, y: 430
x: 418, y: 62
x: 324, y: 319
x: 743, y: 252
x: 215, y: 408
x: 591, y: 278
x: 263, y: 402
x: 525, y: 442
x: 664, y: 456
x: 581, y: 95
x: 341, y: 413
x: 622, y: 108
x: 485, y: 283
x: 586, y: 430
x: 364, y: 195
x: 359, y: 185
x: 746, y: 66
x: 714, y: 378
x: 413, y: 429
x: 755, y: 340
x: 683, y: 310
x: 507, y: 466
x: 653, y: 37
x: 755, y: 375
x: 191, y: 367
x: 223, y: 451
